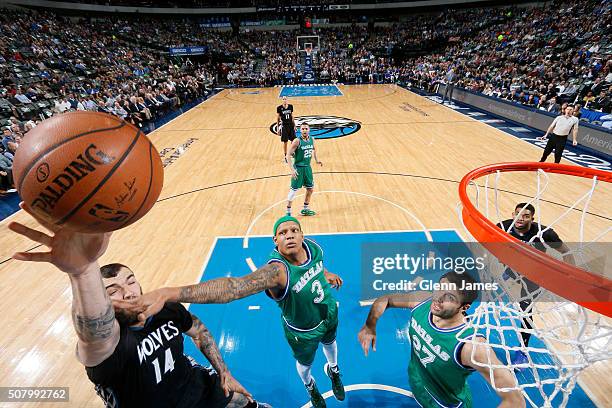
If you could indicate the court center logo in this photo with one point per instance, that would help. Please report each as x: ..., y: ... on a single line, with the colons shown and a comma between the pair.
x: 324, y: 127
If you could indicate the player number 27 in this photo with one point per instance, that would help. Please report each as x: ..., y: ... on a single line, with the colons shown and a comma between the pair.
x: 168, y: 365
x: 422, y: 349
x: 317, y: 287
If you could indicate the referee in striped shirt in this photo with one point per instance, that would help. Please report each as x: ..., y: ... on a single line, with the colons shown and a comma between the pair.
x: 560, y: 128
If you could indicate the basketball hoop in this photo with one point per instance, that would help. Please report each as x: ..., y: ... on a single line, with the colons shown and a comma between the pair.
x: 563, y: 279
x: 555, y: 313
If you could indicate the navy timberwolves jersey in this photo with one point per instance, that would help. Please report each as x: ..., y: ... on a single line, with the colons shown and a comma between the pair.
x: 148, y: 367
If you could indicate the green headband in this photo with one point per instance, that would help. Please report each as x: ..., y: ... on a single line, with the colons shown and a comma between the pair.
x: 284, y: 219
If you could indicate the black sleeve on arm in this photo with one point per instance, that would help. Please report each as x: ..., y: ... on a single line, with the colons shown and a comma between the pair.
x: 110, y: 369
x: 504, y: 224
x: 552, y: 239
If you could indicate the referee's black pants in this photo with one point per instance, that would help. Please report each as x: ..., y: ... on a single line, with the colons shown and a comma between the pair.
x: 557, y: 143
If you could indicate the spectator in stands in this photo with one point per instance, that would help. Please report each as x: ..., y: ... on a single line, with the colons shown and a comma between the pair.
x: 133, y: 116
x: 542, y: 102
x: 11, y: 147
x: 7, y: 137
x: 21, y: 97
x: 142, y: 108
x: 577, y: 112
x: 152, y: 103
x: 602, y: 102
x: 552, y: 106
x: 6, y: 174
x: 588, y: 99
x: 90, y: 104
x: 118, y: 110
x: 62, y: 105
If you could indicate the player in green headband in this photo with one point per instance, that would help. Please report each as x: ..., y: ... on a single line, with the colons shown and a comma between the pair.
x: 296, y: 279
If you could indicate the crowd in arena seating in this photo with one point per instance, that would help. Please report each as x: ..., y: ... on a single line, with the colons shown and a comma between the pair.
x: 51, y: 65
x: 540, y: 57
x: 355, y: 53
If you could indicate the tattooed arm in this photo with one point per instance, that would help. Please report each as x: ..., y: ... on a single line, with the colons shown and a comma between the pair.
x: 271, y: 277
x: 77, y: 255
x: 205, y: 342
x: 93, y: 317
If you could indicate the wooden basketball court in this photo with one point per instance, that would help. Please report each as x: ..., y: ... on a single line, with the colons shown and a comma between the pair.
x: 225, y: 168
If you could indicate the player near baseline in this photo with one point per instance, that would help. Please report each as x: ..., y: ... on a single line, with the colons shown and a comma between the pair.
x: 439, y: 363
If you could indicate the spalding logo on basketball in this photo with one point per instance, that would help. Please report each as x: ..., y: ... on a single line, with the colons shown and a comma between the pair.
x: 88, y: 171
x: 325, y: 127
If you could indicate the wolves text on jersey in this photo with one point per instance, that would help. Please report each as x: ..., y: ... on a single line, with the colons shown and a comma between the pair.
x: 155, y: 340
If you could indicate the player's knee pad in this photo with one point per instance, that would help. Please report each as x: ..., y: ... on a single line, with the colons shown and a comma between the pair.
x: 291, y: 194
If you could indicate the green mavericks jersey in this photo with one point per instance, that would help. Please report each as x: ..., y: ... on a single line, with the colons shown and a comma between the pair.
x: 304, y: 152
x: 435, y: 371
x: 307, y: 299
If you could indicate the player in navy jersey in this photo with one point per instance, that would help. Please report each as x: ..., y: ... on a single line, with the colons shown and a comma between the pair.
x: 132, y: 363
x: 526, y: 230
x: 285, y: 124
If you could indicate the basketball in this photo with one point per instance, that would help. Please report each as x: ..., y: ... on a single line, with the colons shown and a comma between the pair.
x: 88, y: 171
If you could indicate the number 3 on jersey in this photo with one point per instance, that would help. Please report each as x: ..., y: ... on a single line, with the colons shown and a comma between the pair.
x: 317, y: 287
x: 168, y: 366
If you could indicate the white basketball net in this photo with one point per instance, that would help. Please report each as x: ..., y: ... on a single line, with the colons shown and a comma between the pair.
x: 565, y: 337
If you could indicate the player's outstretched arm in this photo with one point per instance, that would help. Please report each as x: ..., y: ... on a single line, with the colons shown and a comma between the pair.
x: 271, y: 276
x: 367, y: 334
x: 482, y: 358
x: 225, y: 290
x: 77, y: 255
x: 207, y: 345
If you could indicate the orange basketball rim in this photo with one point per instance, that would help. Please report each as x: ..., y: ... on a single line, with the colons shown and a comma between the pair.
x: 568, y: 281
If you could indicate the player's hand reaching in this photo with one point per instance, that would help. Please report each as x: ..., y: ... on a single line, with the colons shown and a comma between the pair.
x: 146, y: 305
x: 542, y: 138
x: 230, y: 384
x: 334, y: 280
x: 574, y: 142
x: 70, y: 251
x: 367, y: 337
x: 294, y: 174
x: 320, y: 163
